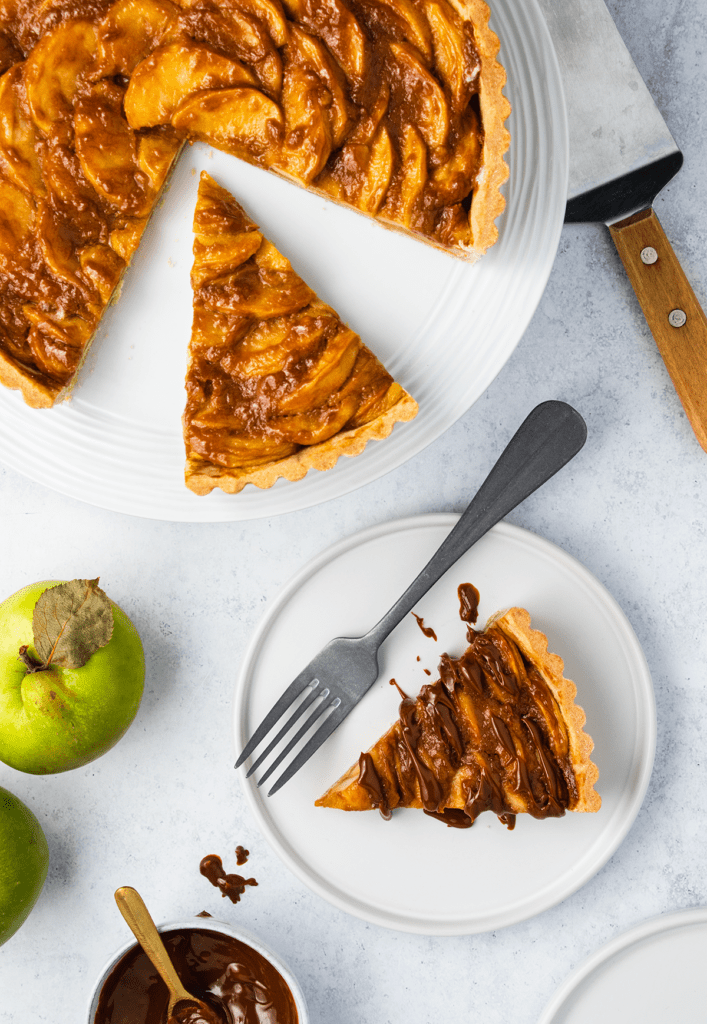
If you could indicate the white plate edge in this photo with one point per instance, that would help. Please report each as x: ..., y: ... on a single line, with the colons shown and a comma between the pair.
x: 652, y: 926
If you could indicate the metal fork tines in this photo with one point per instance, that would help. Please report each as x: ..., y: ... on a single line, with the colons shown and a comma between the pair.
x: 338, y: 677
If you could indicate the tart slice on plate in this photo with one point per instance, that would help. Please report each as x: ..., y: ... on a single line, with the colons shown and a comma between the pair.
x: 276, y: 383
x: 499, y: 730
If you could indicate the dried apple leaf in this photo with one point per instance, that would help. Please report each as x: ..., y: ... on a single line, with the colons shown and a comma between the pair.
x: 71, y: 622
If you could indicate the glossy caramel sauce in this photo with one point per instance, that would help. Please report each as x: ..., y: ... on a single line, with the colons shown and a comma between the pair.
x: 233, y: 980
x: 371, y: 102
x: 426, y: 630
x: 491, y: 714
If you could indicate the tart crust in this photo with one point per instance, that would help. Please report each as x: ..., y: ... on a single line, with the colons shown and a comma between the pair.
x: 350, y: 795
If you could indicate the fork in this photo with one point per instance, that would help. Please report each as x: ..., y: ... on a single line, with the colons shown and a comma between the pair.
x: 347, y: 667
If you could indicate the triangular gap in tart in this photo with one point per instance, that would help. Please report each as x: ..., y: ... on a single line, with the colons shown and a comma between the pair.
x: 499, y: 730
x: 276, y: 383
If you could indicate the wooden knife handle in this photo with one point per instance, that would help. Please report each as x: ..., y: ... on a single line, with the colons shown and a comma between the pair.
x: 674, y: 315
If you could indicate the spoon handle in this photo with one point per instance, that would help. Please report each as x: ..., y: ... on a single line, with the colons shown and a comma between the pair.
x: 142, y: 926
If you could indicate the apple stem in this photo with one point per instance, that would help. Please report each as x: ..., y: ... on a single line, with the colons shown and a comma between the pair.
x: 32, y: 664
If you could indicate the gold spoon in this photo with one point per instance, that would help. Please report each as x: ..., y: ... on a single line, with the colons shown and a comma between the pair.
x: 137, y: 916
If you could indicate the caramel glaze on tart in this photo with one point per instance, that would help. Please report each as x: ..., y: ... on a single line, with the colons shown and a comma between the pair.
x: 392, y: 107
x: 77, y: 186
x: 499, y: 731
x: 276, y: 383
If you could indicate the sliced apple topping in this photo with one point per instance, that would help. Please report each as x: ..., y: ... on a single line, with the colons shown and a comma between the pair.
x: 17, y: 224
x: 361, y: 174
x: 130, y: 31
x: 333, y: 22
x: 156, y: 152
x: 18, y: 141
x: 102, y: 267
x: 410, y: 179
x: 107, y: 148
x: 57, y: 344
x: 57, y: 248
x: 241, y: 121
x: 311, y: 55
x: 125, y: 238
x: 417, y: 90
x: 172, y: 74
x: 401, y: 19
x: 454, y: 179
x: 232, y: 32
x: 55, y: 70
x: 259, y: 288
x: 307, y: 142
x: 270, y: 14
x: 455, y: 55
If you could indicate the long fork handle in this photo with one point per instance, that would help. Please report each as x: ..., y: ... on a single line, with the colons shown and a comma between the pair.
x: 552, y: 434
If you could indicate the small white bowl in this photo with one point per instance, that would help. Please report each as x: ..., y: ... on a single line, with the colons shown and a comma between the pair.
x: 209, y: 924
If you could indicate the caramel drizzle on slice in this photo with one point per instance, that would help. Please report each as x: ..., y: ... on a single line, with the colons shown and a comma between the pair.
x: 489, y: 720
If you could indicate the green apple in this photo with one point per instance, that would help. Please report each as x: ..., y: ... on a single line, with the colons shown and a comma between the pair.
x: 53, y: 717
x: 24, y: 858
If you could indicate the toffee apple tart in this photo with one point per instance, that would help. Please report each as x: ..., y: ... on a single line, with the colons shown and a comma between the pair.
x: 391, y: 107
x: 276, y: 383
x: 499, y: 730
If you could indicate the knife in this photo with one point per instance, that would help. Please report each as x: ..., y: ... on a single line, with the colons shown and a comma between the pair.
x: 621, y: 156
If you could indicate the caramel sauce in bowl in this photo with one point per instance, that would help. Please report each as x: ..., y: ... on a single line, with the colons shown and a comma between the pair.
x: 253, y: 955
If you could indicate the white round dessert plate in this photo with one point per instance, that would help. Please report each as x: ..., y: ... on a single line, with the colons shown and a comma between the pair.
x: 654, y: 973
x: 444, y: 329
x: 413, y: 873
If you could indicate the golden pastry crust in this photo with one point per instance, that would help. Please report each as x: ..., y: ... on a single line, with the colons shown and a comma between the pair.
x: 271, y: 367
x: 488, y: 202
x: 202, y: 478
x: 395, y: 784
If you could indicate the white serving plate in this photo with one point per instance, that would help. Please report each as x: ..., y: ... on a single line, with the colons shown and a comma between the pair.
x: 413, y: 873
x: 444, y: 329
x: 654, y: 973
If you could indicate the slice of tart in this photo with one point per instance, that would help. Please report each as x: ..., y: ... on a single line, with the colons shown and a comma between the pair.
x: 499, y: 731
x: 276, y: 383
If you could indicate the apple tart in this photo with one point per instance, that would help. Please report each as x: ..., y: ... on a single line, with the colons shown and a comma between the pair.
x: 276, y: 383
x: 499, y: 730
x: 391, y: 107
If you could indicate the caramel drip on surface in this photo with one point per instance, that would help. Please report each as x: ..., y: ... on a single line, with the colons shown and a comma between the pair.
x: 231, y: 885
x: 394, y: 682
x: 427, y: 630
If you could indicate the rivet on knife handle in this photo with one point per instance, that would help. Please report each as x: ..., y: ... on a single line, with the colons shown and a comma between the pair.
x: 670, y: 306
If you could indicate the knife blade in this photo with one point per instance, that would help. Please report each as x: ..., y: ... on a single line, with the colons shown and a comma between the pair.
x: 621, y: 155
